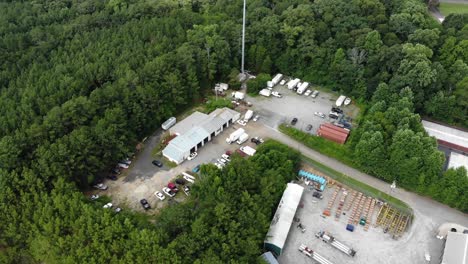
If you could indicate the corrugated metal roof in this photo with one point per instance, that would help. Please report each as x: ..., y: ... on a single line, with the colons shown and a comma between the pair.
x: 172, y: 152
x: 336, y: 128
x: 188, y: 123
x: 456, y: 249
x: 190, y: 139
x: 458, y: 160
x: 445, y: 133
x: 281, y: 223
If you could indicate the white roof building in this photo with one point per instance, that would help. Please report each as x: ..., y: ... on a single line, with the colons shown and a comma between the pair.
x: 447, y: 136
x: 456, y: 249
x: 195, y: 131
x: 458, y: 160
x: 283, y: 219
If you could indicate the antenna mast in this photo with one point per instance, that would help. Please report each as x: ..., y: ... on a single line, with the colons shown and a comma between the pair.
x: 243, y: 38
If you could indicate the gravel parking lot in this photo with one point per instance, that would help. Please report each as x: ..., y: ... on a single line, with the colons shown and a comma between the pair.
x: 274, y: 111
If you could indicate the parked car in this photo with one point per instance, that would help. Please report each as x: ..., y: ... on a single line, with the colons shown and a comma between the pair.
x: 241, y: 122
x: 315, y: 94
x: 94, y: 197
x: 219, y: 165
x: 307, y: 93
x: 173, y: 187
x: 115, y: 171
x: 333, y: 116
x: 222, y: 161
x: 276, y: 94
x: 100, y: 186
x: 192, y: 155
x: 256, y: 118
x: 320, y: 114
x: 112, y: 177
x: 107, y: 205
x: 180, y: 181
x: 254, y: 140
x: 159, y: 195
x: 123, y: 165
x: 337, y: 110
x: 196, y: 169
x: 118, y: 210
x: 308, y: 127
x: 126, y: 161
x: 168, y: 192
x: 157, y: 163
x: 229, y: 153
x: 187, y: 190
x: 145, y: 204
x: 226, y: 157
x: 294, y: 121
x: 317, y: 195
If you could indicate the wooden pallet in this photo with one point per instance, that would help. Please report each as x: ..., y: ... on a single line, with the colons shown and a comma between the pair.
x: 369, y: 215
x: 355, y: 208
x: 348, y: 205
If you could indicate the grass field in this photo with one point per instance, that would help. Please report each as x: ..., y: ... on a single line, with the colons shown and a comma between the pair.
x: 453, y: 8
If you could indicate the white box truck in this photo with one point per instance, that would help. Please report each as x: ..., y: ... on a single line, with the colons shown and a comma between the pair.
x: 277, y: 79
x: 169, y: 123
x: 302, y: 88
x: 235, y: 135
x: 270, y: 84
x: 248, y: 150
x: 292, y: 83
x: 248, y: 115
x: 243, y: 138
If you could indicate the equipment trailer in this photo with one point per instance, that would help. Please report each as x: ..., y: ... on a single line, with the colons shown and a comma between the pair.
x: 328, y: 238
x: 314, y: 255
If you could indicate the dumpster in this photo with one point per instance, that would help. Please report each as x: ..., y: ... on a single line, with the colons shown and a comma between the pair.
x: 350, y: 228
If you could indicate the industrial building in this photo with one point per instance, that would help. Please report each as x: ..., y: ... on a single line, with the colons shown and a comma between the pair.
x: 457, y: 160
x: 283, y: 219
x: 447, y: 136
x: 333, y: 133
x: 456, y: 249
x: 195, y: 131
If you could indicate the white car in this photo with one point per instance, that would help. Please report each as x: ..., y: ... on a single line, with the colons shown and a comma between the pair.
x: 256, y: 118
x: 168, y: 191
x: 315, y: 93
x: 307, y: 93
x: 118, y: 210
x: 187, y: 190
x: 283, y: 82
x: 100, y: 186
x: 222, y: 161
x: 192, y: 156
x: 94, y: 197
x: 347, y: 101
x: 276, y: 94
x: 218, y: 165
x: 123, y: 165
x: 160, y: 195
x: 108, y: 205
x: 226, y: 157
x: 241, y: 122
x: 320, y: 114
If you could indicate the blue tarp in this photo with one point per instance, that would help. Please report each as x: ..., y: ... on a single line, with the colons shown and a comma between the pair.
x: 315, y: 178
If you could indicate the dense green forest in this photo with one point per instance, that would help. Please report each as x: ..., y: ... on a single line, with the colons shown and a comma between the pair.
x: 82, y: 81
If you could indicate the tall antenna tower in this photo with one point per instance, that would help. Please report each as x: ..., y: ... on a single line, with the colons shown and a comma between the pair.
x: 243, y: 38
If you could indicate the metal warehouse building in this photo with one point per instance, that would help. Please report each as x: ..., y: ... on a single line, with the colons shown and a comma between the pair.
x: 283, y: 219
x: 333, y: 133
x: 196, y: 130
x: 456, y: 249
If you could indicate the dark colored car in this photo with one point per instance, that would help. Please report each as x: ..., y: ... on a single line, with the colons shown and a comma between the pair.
x: 145, y: 204
x: 308, y: 127
x: 317, y: 195
x: 333, y: 116
x: 112, y: 177
x: 338, y: 110
x: 228, y: 153
x: 180, y: 181
x: 294, y: 121
x: 254, y: 140
x: 115, y: 171
x: 157, y: 163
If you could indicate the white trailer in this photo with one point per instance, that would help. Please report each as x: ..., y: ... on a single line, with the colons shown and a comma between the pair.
x: 340, y: 100
x: 265, y: 92
x: 314, y: 255
x: 248, y: 150
x: 168, y: 123
x: 238, y: 95
x: 188, y: 177
x: 235, y: 135
x: 302, y: 88
x: 293, y: 83
x: 270, y: 84
x: 277, y: 79
x: 243, y: 138
x: 328, y: 238
x: 248, y: 115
